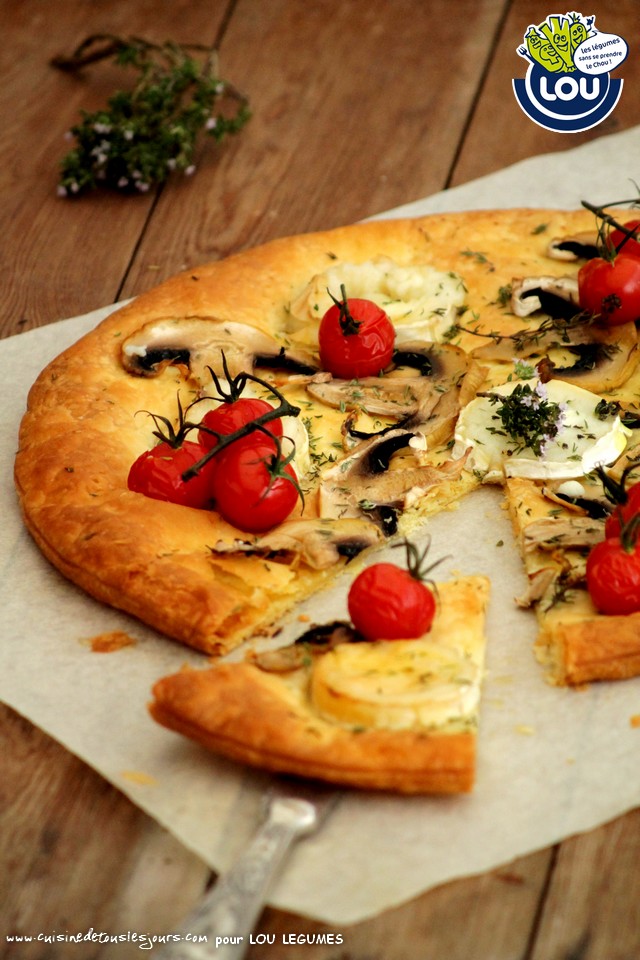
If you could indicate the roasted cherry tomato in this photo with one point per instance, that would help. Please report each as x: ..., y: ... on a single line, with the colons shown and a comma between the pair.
x: 254, y: 489
x: 387, y: 603
x: 157, y: 473
x: 611, y: 288
x: 613, y: 576
x: 623, y: 512
x: 229, y: 417
x: 630, y: 247
x: 356, y: 338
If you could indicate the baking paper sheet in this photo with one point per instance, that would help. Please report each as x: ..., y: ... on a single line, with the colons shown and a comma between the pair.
x: 551, y: 762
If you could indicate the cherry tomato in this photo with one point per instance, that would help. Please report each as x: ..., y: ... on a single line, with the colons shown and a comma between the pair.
x: 356, y: 339
x: 157, y: 473
x: 249, y: 486
x: 229, y: 417
x: 613, y: 577
x: 623, y: 512
x: 387, y: 603
x: 630, y: 247
x: 611, y: 289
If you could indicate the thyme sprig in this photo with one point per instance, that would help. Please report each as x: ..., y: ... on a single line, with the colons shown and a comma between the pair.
x: 145, y: 133
x: 606, y: 223
x: 527, y: 416
x: 531, y: 336
x: 283, y: 409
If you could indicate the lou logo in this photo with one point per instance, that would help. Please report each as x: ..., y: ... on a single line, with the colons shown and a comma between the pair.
x: 567, y: 88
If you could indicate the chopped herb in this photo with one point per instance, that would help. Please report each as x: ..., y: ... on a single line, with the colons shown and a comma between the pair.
x: 527, y: 416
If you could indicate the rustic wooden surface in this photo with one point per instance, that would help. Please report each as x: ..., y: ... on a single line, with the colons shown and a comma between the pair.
x: 358, y: 107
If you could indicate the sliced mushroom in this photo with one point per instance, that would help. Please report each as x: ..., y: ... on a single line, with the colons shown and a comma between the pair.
x: 397, y: 393
x: 539, y: 583
x: 434, y: 417
x: 377, y: 396
x: 578, y: 498
x: 603, y: 363
x: 317, y: 640
x: 606, y: 356
x: 199, y: 342
x: 580, y: 246
x: 556, y: 296
x: 570, y: 533
x: 363, y: 481
x: 318, y: 543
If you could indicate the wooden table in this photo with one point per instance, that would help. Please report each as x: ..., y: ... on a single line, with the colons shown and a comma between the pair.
x: 358, y: 107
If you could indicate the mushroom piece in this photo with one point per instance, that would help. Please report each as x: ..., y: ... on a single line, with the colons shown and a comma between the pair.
x: 200, y: 342
x: 316, y: 640
x: 365, y: 481
x: 606, y: 356
x: 570, y: 533
x: 399, y: 394
x: 433, y: 419
x: 557, y: 296
x: 320, y: 543
x: 603, y: 363
x: 580, y: 246
x: 377, y: 396
x: 539, y: 582
x: 552, y: 583
x: 587, y: 500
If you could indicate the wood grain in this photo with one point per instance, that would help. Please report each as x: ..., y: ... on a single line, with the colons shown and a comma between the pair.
x: 320, y: 150
x: 500, y: 133
x: 63, y: 257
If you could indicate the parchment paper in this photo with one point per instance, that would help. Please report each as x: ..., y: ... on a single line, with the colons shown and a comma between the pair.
x: 551, y: 763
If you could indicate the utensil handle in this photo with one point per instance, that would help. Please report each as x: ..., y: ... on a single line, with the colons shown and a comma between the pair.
x: 228, y: 913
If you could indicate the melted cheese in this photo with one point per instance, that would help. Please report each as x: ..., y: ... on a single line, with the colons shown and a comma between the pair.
x: 582, y: 442
x: 421, y: 301
x: 431, y: 682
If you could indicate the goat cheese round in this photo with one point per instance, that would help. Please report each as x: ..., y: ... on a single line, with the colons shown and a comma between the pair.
x: 573, y: 439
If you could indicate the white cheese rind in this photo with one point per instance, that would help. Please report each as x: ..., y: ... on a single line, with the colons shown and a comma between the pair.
x: 421, y: 301
x: 396, y: 685
x: 583, y: 441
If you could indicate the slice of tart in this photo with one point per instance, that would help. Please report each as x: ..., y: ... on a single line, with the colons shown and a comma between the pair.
x: 396, y: 715
x: 556, y: 524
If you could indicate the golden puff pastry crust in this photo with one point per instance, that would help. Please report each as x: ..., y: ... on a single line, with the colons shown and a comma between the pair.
x: 84, y: 428
x: 272, y: 721
x: 575, y: 642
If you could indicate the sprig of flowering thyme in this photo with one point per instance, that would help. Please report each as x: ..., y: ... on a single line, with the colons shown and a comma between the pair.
x: 145, y: 133
x: 527, y: 416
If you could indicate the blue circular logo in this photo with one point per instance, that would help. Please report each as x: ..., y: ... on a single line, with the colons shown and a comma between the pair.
x: 566, y: 102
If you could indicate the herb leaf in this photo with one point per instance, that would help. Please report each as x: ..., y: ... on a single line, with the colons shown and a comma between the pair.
x: 145, y: 133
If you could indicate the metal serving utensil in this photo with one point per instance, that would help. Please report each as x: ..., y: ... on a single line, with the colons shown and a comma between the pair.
x: 228, y: 913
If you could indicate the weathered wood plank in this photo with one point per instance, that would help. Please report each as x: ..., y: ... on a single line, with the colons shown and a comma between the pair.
x: 77, y: 856
x: 335, y: 137
x: 357, y: 108
x: 487, y: 918
x: 500, y: 132
x: 591, y: 911
x: 64, y: 257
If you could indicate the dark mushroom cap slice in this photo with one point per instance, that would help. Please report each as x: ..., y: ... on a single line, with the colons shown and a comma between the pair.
x: 320, y: 543
x: 363, y: 482
x: 578, y: 246
x: 200, y: 342
x: 555, y: 296
x: 421, y: 373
